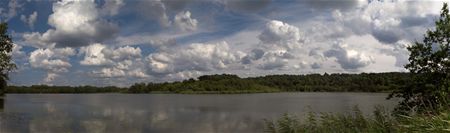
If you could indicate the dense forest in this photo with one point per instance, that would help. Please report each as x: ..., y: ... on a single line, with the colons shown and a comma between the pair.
x: 226, y: 83
x: 63, y: 89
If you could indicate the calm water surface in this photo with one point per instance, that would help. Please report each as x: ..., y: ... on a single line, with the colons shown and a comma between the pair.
x: 129, y: 113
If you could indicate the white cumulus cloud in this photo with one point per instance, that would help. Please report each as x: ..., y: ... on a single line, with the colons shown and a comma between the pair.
x: 113, y: 62
x: 347, y: 57
x: 184, y: 21
x: 194, y: 57
x: 54, y: 61
x: 76, y: 23
x: 30, y: 19
x: 279, y: 35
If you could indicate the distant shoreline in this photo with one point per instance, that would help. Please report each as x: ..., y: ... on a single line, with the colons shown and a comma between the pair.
x: 232, y: 84
x: 200, y: 93
x: 194, y: 92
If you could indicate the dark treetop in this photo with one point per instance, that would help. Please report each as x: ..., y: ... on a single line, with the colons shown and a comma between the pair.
x: 225, y: 83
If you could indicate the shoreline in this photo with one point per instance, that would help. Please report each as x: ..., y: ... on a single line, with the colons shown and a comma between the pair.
x: 210, y: 92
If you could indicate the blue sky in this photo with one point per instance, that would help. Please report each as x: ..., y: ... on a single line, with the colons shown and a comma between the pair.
x: 120, y: 42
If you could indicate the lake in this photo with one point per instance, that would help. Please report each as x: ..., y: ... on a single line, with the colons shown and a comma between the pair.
x: 130, y: 113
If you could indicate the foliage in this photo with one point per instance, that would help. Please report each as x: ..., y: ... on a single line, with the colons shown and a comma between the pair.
x: 2, y: 86
x: 430, y: 66
x: 228, y: 84
x: 62, y: 89
x: 379, y: 122
x: 6, y: 64
x: 426, y: 123
x: 225, y: 83
x: 217, y: 77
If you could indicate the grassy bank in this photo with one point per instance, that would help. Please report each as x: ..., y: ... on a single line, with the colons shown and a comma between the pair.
x: 381, y: 121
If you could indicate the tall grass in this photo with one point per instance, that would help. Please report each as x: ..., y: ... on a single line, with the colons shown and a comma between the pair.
x: 380, y: 121
x: 425, y: 123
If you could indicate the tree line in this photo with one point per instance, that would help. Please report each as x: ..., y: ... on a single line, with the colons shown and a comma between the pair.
x: 63, y: 89
x: 227, y: 83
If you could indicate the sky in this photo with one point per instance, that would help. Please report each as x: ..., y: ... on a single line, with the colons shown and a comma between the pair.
x: 121, y: 42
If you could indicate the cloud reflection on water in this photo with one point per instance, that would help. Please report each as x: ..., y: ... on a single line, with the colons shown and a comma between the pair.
x: 118, y: 113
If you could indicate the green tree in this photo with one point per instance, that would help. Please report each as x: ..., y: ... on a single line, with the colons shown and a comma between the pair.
x: 429, y: 63
x: 6, y: 64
